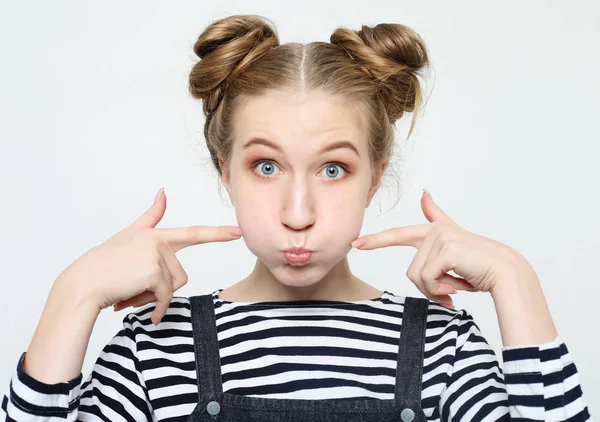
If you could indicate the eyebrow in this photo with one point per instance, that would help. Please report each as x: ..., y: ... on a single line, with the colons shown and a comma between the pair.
x: 326, y: 148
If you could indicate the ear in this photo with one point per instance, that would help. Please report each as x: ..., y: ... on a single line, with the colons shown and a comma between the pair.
x: 225, y: 178
x: 376, y: 182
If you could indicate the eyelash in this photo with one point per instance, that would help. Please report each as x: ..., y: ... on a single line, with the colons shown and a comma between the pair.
x: 343, y: 166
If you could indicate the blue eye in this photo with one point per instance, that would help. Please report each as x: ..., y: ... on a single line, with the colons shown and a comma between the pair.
x: 335, y: 167
x: 267, y: 168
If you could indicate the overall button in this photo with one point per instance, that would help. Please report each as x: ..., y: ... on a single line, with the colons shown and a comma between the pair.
x: 214, y: 408
x: 407, y: 415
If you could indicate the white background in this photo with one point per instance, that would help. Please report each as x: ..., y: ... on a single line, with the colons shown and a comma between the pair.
x: 95, y: 117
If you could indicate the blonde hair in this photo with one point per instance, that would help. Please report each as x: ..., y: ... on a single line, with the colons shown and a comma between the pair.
x: 376, y: 67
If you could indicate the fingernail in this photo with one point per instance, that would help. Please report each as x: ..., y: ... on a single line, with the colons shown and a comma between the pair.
x: 358, y: 243
x: 236, y: 231
x: 160, y: 191
x: 427, y: 193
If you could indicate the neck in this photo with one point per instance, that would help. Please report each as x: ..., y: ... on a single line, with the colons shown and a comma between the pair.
x: 338, y: 284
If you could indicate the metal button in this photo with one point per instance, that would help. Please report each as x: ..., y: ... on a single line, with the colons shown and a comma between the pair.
x: 407, y: 415
x: 213, y: 408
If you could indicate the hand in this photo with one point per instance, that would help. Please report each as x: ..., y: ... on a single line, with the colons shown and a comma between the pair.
x: 138, y: 265
x: 444, y: 246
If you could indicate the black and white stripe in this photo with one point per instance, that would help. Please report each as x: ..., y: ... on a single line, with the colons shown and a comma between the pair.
x: 307, y: 350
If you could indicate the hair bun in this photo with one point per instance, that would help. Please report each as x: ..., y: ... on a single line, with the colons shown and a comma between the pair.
x: 393, y: 55
x: 225, y: 47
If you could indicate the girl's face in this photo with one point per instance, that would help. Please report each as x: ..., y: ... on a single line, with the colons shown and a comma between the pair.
x: 299, y: 176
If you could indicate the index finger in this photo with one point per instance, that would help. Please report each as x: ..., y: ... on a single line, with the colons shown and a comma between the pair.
x: 396, y: 236
x: 182, y: 237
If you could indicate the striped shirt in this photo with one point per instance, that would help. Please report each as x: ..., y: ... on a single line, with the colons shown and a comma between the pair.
x: 309, y: 349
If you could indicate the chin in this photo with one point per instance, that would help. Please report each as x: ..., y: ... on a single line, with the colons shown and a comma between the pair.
x: 298, y: 275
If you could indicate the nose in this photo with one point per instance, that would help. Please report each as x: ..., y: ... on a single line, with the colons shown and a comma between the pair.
x: 298, y: 205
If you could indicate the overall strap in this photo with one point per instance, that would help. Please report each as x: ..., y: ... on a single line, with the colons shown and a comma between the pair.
x: 206, y: 346
x: 409, y: 373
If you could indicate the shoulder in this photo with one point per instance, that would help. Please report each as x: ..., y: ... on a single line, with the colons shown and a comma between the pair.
x: 179, y: 311
x: 168, y: 342
x: 443, y: 323
x: 179, y: 305
x: 177, y: 317
x: 436, y: 312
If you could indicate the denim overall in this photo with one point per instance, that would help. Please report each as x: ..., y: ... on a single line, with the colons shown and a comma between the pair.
x: 215, y: 405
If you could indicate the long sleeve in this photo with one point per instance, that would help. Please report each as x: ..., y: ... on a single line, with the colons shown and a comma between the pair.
x: 535, y: 383
x: 115, y: 389
x: 543, y: 384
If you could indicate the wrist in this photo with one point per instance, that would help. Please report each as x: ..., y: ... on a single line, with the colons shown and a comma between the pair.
x: 523, y: 314
x: 72, y: 294
x: 61, y: 336
x: 520, y: 276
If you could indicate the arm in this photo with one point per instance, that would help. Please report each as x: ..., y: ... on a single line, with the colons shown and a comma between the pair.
x: 62, y: 335
x: 536, y: 382
x: 115, y: 390
x: 537, y: 362
x: 523, y: 315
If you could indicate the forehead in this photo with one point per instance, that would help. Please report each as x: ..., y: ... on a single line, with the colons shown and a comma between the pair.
x: 293, y: 116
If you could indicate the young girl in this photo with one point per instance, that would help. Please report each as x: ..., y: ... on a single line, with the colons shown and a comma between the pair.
x: 301, y: 135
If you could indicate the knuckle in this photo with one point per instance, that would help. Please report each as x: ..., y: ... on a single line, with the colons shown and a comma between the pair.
x: 430, y: 284
x: 191, y: 233
x: 156, y: 255
x: 154, y: 270
x: 415, y: 276
x: 197, y: 232
x: 162, y: 247
x: 157, y: 242
x: 150, y: 237
x: 449, y: 246
x: 446, y: 236
x: 179, y: 281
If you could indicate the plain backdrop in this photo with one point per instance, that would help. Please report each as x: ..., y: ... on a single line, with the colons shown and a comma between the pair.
x: 95, y: 117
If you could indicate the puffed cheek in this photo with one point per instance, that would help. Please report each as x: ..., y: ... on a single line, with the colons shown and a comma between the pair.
x: 350, y: 228
x: 256, y: 245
